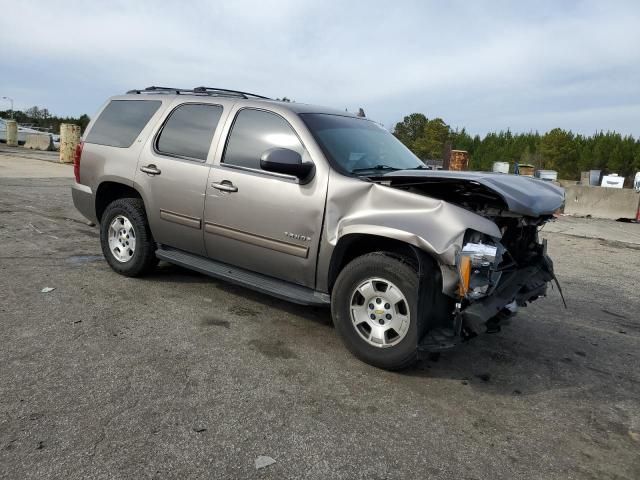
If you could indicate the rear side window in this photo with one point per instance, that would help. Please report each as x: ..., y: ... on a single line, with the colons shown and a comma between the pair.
x: 121, y: 122
x: 189, y: 130
x: 254, y: 132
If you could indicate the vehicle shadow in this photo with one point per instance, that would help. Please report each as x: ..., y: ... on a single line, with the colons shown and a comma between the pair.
x: 534, y: 355
x: 527, y: 357
x: 169, y: 273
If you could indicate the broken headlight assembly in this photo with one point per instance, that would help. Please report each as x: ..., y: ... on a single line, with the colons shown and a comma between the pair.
x: 478, y: 266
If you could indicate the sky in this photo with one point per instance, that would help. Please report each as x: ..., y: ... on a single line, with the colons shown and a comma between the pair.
x: 482, y: 65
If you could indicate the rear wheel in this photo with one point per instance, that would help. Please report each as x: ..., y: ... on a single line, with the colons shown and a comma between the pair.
x: 125, y: 237
x: 375, y: 310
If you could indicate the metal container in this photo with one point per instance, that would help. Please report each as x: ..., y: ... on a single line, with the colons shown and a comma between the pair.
x: 612, y: 181
x: 500, y: 167
x: 526, y: 170
x: 459, y: 160
x: 594, y: 177
x: 548, y: 175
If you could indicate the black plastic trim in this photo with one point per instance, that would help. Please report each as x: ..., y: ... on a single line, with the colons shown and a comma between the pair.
x: 239, y: 276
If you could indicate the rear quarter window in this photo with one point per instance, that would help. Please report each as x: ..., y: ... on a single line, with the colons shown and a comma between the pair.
x: 121, y: 122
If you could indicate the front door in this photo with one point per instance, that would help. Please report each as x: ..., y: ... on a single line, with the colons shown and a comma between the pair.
x: 261, y: 221
x: 172, y: 173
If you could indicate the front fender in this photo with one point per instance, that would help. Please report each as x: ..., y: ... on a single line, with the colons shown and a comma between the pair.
x: 355, y: 206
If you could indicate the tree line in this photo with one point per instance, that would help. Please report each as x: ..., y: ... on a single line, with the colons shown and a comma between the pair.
x: 560, y: 150
x: 41, y: 118
x: 430, y: 139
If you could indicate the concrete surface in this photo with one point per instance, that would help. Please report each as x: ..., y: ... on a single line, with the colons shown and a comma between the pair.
x: 69, y: 139
x: 39, y: 142
x: 601, y: 202
x: 180, y: 376
x: 597, y: 228
x: 15, y: 162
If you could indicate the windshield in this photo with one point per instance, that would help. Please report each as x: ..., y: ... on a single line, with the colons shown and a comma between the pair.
x: 359, y: 146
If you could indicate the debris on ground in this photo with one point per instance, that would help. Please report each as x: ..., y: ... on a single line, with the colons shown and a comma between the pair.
x: 263, y: 461
x: 47, y: 289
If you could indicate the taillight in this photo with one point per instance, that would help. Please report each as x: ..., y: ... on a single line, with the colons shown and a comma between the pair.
x: 76, y: 161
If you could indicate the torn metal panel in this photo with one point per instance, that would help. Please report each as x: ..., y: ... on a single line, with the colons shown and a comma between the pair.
x: 360, y: 207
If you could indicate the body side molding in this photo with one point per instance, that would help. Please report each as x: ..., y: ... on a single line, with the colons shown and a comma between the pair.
x: 258, y: 240
x: 181, y: 219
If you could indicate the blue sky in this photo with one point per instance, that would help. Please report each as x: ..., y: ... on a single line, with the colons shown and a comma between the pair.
x: 481, y: 65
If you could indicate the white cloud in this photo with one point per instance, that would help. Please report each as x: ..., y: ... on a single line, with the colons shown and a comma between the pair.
x: 484, y: 65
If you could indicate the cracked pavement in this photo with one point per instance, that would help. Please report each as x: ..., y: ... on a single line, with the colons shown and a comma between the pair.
x: 177, y: 375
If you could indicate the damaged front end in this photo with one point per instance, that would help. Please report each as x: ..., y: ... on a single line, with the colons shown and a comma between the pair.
x: 495, y: 275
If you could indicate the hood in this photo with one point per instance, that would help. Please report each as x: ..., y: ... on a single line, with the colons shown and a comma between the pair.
x: 521, y: 195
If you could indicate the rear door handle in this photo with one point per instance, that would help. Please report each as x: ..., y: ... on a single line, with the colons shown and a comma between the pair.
x: 225, y: 186
x: 151, y: 169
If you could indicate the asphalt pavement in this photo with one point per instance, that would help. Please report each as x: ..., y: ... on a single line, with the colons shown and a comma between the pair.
x: 177, y: 375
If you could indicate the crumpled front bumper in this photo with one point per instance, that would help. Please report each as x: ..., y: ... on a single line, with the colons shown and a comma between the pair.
x: 521, y: 285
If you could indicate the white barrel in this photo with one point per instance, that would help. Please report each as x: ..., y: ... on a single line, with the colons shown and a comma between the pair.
x: 12, y: 133
x: 501, y: 167
x: 69, y: 139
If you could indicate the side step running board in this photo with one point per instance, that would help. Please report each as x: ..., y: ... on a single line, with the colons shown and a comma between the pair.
x: 239, y: 276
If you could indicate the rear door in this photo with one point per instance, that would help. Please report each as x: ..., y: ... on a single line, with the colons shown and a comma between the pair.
x: 265, y: 222
x: 173, y: 170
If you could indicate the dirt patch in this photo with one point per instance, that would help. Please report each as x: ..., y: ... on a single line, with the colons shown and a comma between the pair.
x: 243, y: 311
x: 215, y: 322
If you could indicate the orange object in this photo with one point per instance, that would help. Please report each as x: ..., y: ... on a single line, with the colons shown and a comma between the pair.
x: 465, y: 275
x: 459, y: 160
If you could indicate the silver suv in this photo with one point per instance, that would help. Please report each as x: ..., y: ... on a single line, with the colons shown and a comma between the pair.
x: 317, y: 207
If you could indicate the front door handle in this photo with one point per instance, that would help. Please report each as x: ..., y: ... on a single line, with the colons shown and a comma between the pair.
x: 151, y: 169
x: 225, y: 186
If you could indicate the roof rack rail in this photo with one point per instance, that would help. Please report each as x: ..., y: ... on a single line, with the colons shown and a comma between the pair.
x: 214, y: 90
x: 160, y: 90
x: 211, y: 91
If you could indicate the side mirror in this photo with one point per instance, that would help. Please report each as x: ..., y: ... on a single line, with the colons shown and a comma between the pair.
x: 283, y: 160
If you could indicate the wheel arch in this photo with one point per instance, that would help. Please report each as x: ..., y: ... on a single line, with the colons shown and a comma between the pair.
x: 430, y: 272
x: 354, y: 245
x: 110, y: 190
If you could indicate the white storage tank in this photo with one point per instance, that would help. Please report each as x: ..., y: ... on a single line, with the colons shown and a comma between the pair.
x: 548, y: 175
x: 612, y: 181
x: 501, y: 167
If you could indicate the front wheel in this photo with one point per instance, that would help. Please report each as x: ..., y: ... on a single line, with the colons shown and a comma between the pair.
x: 374, y: 305
x: 125, y: 237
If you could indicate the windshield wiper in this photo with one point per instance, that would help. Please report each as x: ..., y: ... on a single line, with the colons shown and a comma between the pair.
x: 377, y: 168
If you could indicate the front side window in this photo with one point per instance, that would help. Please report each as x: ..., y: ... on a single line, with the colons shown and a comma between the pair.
x: 189, y: 131
x: 359, y: 146
x: 121, y: 122
x: 253, y: 133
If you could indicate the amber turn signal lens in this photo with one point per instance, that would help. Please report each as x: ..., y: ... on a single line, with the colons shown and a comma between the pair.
x: 464, y: 267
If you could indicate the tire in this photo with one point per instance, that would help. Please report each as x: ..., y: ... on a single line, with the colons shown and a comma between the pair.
x: 134, y: 254
x: 369, y: 274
